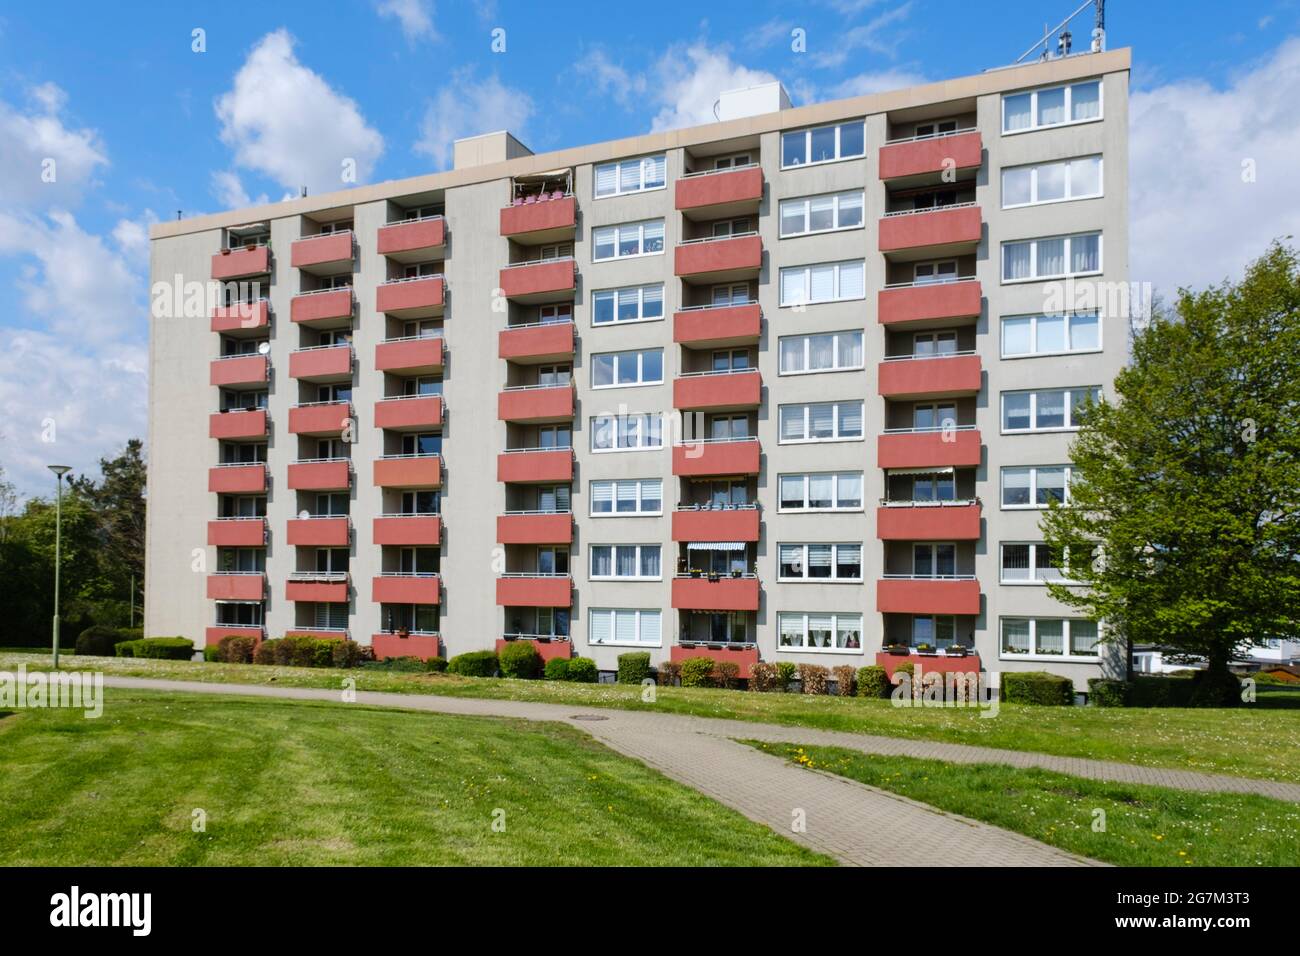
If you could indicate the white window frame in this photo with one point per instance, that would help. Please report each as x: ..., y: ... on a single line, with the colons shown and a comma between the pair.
x: 806, y: 201
x: 1033, y: 182
x: 640, y: 497
x: 835, y: 350
x: 807, y: 132
x: 614, y: 420
x: 1068, y: 106
x: 835, y: 554
x: 618, y: 177
x: 613, y: 559
x: 1034, y: 275
x: 807, y: 477
x: 807, y: 283
x: 640, y: 304
x: 1033, y: 653
x: 640, y: 369
x: 1033, y: 394
x: 618, y: 240
x: 1033, y: 486
x: 1033, y: 334
x: 835, y: 617
x: 1033, y: 580
x: 613, y: 618
x: 807, y: 423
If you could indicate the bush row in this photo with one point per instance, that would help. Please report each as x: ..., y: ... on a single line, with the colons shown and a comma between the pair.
x: 157, y: 648
x: 100, y: 641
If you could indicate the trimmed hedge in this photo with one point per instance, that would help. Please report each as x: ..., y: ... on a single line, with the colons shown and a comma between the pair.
x: 813, y: 678
x: 844, y: 679
x: 726, y: 674
x: 1158, y: 691
x: 1037, y: 687
x: 435, y: 665
x: 210, y: 653
x: 266, y: 651
x: 303, y: 650
x: 633, y: 668
x: 581, y: 670
x: 406, y: 664
x: 519, y: 659
x: 1107, y: 692
x: 236, y: 649
x: 474, y: 664
x: 697, y: 672
x: 872, y: 681
x: 157, y: 648
x: 557, y: 668
x: 762, y: 677
x: 99, y: 640
x: 349, y: 654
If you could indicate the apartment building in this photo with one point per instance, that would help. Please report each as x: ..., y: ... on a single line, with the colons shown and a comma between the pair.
x: 795, y: 385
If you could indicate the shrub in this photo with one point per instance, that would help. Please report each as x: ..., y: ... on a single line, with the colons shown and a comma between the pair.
x: 303, y: 650
x: 727, y: 674
x: 1275, y: 678
x: 435, y: 665
x: 211, y: 653
x: 1037, y: 687
x: 697, y: 672
x: 872, y: 681
x: 633, y: 668
x: 349, y: 654
x: 669, y: 673
x: 813, y: 677
x: 762, y: 677
x: 785, y: 671
x: 1214, y: 688
x: 520, y: 659
x: 1159, y: 692
x: 100, y: 641
x: 406, y: 664
x: 581, y: 670
x: 157, y: 648
x: 1105, y: 692
x: 265, y: 652
x: 844, y: 677
x: 474, y: 664
x: 236, y: 649
x: 557, y: 668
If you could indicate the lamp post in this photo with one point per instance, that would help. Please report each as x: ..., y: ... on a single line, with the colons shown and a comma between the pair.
x: 59, y: 472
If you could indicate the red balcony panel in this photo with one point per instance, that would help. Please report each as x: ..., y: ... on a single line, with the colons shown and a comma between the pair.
x: 720, y: 189
x: 244, y: 370
x: 234, y: 479
x: 928, y: 664
x: 321, y: 363
x: 241, y: 317
x: 548, y: 216
x: 328, y: 306
x: 409, y: 355
x: 931, y: 304
x: 718, y: 392
x: 334, y: 249
x: 536, y: 343
x: 237, y: 533
x: 737, y: 524
x: 716, y: 458
x: 724, y: 594
x: 305, y: 589
x: 411, y: 297
x: 423, y: 235
x: 538, y: 278
x: 318, y: 532
x: 930, y: 377
x: 212, y: 636
x: 920, y: 230
x: 421, y: 472
x: 742, y: 657
x: 536, y: 404
x: 236, y: 587
x: 925, y: 596
x: 926, y: 449
x: 329, y: 418
x: 545, y: 649
x: 406, y: 414
x: 922, y: 156
x: 743, y: 254
x: 423, y: 646
x: 405, y: 589
x: 534, y: 592
x: 928, y: 523
x: 528, y: 467
x: 535, y: 529
x: 730, y: 325
x: 320, y: 476
x: 240, y: 263
x: 245, y: 424
x: 407, y: 530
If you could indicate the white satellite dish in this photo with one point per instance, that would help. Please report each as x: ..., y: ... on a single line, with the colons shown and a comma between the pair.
x: 304, y: 514
x: 264, y: 347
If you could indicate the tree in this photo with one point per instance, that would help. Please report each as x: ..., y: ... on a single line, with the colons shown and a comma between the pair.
x: 1184, y: 514
x: 118, y: 504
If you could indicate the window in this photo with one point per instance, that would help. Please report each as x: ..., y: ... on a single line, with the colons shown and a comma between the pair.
x: 421, y: 502
x: 627, y: 240
x: 937, y: 630
x: 415, y: 618
x: 823, y: 144
x: 553, y: 621
x: 1050, y: 637
x: 933, y: 560
x: 1027, y: 563
x: 812, y: 214
x: 331, y: 560
x: 332, y: 505
x: 932, y: 273
x: 819, y: 562
x: 827, y: 352
x: 552, y: 376
x: 636, y: 496
x: 803, y: 631
x: 243, y: 506
x: 822, y: 491
x: 729, y: 360
x: 1051, y: 182
x: 620, y: 369
x: 1036, y: 486
x: 728, y: 427
x: 1052, y: 106
x: 420, y: 271
x: 553, y: 499
x: 732, y: 162
x: 638, y: 303
x: 624, y: 626
x: 555, y: 436
x: 629, y: 176
x: 937, y: 486
x: 935, y: 128
x: 423, y: 562
x: 825, y: 282
x: 934, y: 417
x: 1050, y: 334
x: 926, y: 344
x: 425, y: 329
x: 627, y: 432
x: 235, y: 614
x: 552, y: 560
x: 555, y: 314
x: 1046, y: 410
x: 1051, y: 258
x: 730, y: 294
x: 823, y: 421
x: 421, y: 446
x: 626, y: 561
x: 332, y: 616
x: 241, y: 560
x: 731, y: 227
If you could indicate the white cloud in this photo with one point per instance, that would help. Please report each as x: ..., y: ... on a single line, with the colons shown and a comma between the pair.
x: 1194, y: 218
x: 468, y: 107
x: 30, y: 138
x: 867, y: 36
x: 689, y: 81
x: 611, y: 77
x: 415, y: 16
x: 285, y: 121
x: 879, y: 82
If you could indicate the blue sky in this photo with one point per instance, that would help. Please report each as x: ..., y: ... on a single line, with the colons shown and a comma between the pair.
x: 140, y: 126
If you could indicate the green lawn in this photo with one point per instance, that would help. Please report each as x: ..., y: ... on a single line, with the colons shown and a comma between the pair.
x: 1258, y: 740
x: 1144, y: 826
x: 302, y: 783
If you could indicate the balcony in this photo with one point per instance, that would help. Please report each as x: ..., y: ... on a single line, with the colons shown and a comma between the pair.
x: 319, y: 419
x: 930, y: 376
x: 535, y: 527
x: 413, y: 240
x: 409, y: 412
x: 327, y: 254
x: 535, y: 403
x: 415, y: 355
x: 905, y: 448
x: 948, y: 230
x: 236, y: 370
x: 721, y: 192
x: 538, y: 281
x: 909, y: 595
x: 324, y: 308
x: 322, y: 364
x: 241, y: 317
x: 237, y: 533
x: 968, y: 663
x: 536, y: 343
x: 212, y: 636
x: 534, y: 590
x: 240, y: 586
x: 717, y: 458
x: 928, y: 521
x: 423, y: 646
x: 725, y: 259
x: 925, y: 305
x: 931, y: 155
x: 324, y: 587
x: 546, y: 645
x: 395, y: 588
x: 744, y: 656
x: 408, y: 471
x: 718, y: 391
x: 545, y: 221
x: 718, y: 326
x: 535, y: 465
x: 238, y: 423
x: 715, y: 524
x: 319, y: 531
x: 407, y: 530
x: 417, y: 298
x: 241, y: 263
x: 326, y: 474
x: 720, y: 594
x: 237, y: 479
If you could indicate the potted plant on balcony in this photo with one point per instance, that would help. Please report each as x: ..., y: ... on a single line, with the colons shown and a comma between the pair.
x: 736, y: 572
x: 956, y: 650
x: 695, y: 572
x: 403, y: 633
x: 925, y: 648
x: 714, y: 576
x: 898, y: 650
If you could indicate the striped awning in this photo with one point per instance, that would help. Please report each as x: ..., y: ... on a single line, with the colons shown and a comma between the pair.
x: 716, y: 546
x: 945, y: 470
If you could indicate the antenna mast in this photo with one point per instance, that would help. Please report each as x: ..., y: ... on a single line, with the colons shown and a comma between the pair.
x: 1098, y: 33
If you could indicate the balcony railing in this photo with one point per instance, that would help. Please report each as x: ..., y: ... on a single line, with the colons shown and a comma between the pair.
x: 930, y: 429
x: 918, y: 212
x: 920, y: 356
x: 954, y: 503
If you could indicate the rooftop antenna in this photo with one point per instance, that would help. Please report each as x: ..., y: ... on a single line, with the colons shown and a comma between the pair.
x: 1099, y: 29
x: 304, y: 192
x: 1065, y: 40
x: 178, y: 215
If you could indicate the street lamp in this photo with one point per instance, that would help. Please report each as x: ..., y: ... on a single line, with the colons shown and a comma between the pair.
x: 59, y: 472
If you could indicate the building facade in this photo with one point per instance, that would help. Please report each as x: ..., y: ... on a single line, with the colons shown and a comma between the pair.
x: 791, y: 386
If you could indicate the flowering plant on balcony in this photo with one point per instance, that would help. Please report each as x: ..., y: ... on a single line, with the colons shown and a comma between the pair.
x: 925, y: 648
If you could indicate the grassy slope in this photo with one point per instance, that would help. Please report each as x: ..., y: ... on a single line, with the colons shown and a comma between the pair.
x: 292, y: 783
x: 1251, y: 741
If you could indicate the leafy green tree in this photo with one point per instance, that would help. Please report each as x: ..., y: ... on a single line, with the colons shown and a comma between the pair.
x: 118, y: 503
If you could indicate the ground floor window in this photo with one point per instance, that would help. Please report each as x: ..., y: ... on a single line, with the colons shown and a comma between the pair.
x: 416, y: 618
x: 239, y: 614
x: 801, y: 630
x: 1049, y: 637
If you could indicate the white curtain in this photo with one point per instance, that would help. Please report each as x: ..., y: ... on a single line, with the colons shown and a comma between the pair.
x: 851, y: 280
x: 820, y: 491
x: 821, y: 353
x: 1085, y: 254
x: 1051, y: 257
x: 1016, y: 260
x: 850, y: 419
x: 850, y: 489
x: 850, y: 344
